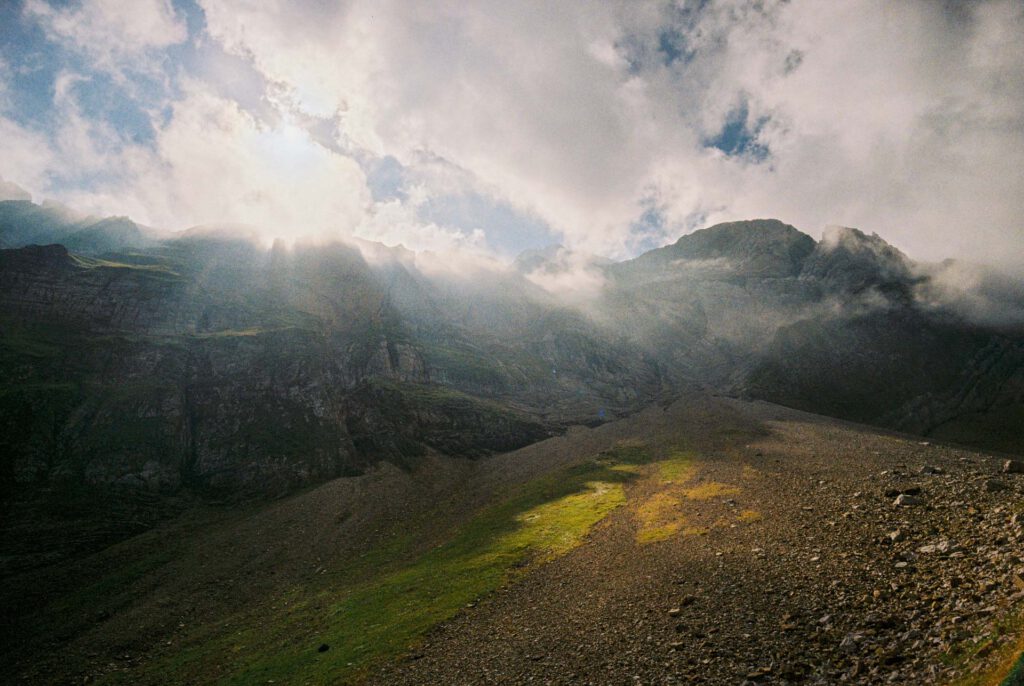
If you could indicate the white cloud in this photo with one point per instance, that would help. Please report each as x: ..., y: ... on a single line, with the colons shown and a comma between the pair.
x: 111, y: 31
x: 898, y: 117
x: 576, y: 277
x: 27, y: 156
x: 906, y: 119
x: 209, y: 163
x: 214, y: 163
x: 394, y: 222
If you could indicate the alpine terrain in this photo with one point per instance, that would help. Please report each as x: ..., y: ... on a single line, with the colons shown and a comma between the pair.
x: 748, y: 456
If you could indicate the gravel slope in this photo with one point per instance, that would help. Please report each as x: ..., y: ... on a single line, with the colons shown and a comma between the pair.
x: 833, y: 583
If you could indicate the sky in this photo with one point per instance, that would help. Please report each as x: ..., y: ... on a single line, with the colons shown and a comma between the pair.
x: 496, y: 126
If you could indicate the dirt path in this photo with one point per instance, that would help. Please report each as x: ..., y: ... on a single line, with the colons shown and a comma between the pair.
x: 791, y: 564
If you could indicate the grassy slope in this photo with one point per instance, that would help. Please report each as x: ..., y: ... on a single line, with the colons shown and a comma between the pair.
x: 378, y: 606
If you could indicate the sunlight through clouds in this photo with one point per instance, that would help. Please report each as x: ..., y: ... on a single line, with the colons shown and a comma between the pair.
x: 905, y: 118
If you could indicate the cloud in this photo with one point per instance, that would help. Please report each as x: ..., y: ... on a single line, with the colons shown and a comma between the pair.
x: 575, y: 277
x: 902, y: 118
x: 26, y: 155
x: 210, y: 162
x: 977, y: 293
x: 394, y: 222
x: 111, y: 31
x: 12, y: 191
x: 581, y: 120
x: 214, y: 163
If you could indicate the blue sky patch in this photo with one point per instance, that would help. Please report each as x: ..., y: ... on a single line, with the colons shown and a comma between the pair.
x: 738, y: 136
x: 507, y: 230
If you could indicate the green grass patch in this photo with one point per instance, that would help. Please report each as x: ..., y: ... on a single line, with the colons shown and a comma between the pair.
x: 1016, y: 675
x: 678, y: 468
x: 659, y: 517
x: 749, y: 516
x: 1003, y: 660
x: 104, y: 592
x: 380, y: 606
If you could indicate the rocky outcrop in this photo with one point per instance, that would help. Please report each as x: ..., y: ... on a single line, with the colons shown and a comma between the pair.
x: 848, y: 262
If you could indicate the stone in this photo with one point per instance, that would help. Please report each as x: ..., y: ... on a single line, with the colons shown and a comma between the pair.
x: 931, y: 548
x: 905, y: 500
x: 1013, y: 467
x: 907, y: 490
x: 995, y: 486
x: 1018, y: 582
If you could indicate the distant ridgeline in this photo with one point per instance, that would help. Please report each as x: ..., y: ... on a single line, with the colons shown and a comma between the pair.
x: 206, y: 363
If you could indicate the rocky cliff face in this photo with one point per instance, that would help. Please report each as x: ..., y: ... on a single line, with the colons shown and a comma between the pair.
x: 216, y: 366
x: 209, y: 364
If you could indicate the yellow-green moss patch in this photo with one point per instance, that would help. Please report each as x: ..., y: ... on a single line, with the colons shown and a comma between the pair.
x: 709, y: 490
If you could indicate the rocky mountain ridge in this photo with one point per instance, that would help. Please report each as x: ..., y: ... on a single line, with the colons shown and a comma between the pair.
x: 208, y: 362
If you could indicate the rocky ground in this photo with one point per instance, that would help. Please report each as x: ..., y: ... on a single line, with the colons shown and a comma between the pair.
x: 785, y: 548
x: 862, y: 558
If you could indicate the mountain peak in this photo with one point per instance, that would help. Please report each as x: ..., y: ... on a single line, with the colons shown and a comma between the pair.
x: 755, y: 247
x: 850, y: 260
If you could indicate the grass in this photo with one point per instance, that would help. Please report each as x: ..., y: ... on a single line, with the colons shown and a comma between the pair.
x: 236, y: 333
x: 155, y: 269
x: 102, y: 592
x: 380, y: 606
x: 1005, y: 669
x: 749, y: 516
x: 709, y: 490
x: 1016, y: 674
x: 659, y: 517
x: 678, y: 468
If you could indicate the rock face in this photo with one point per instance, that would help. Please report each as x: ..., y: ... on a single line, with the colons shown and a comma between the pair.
x: 847, y: 261
x: 210, y: 363
x: 213, y: 365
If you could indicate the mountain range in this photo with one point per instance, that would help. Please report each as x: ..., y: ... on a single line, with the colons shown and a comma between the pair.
x: 209, y: 362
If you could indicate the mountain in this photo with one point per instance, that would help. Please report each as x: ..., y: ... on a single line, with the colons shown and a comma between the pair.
x: 207, y: 364
x: 226, y: 462
x: 22, y: 222
x: 758, y: 248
